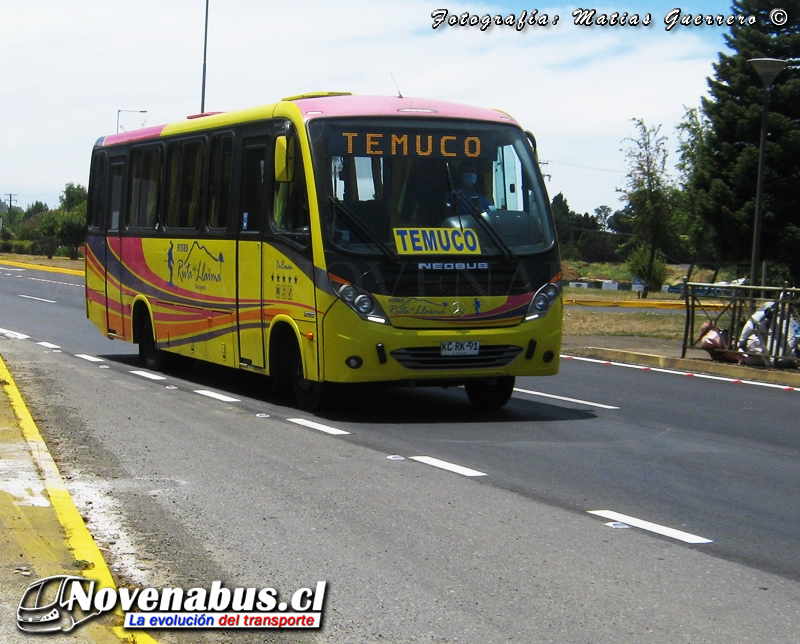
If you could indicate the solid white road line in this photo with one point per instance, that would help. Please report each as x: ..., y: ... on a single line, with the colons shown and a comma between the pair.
x: 450, y: 467
x: 147, y: 374
x: 84, y: 356
x: 318, y: 426
x: 38, y: 299
x: 672, y: 372
x: 651, y: 527
x: 215, y: 395
x: 564, y: 398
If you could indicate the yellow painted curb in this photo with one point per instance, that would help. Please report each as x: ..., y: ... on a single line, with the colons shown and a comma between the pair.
x: 78, y: 536
x: 37, y: 267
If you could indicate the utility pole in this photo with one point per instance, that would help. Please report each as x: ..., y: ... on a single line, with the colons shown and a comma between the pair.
x: 205, y: 49
x: 10, y: 199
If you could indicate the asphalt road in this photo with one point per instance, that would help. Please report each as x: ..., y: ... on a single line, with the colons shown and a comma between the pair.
x: 200, y: 477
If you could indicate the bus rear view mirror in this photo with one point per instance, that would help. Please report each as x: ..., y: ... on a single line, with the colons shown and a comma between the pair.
x: 284, y: 158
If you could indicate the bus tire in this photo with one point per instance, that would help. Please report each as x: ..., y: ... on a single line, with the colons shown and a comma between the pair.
x: 150, y: 355
x: 490, y: 394
x: 310, y: 394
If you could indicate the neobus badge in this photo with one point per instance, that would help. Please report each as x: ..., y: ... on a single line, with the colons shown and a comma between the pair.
x: 413, y: 241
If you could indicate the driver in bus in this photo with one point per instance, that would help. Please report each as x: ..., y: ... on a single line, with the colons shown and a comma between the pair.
x: 466, y: 193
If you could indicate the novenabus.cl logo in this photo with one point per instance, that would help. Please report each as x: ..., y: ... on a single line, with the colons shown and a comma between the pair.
x: 61, y: 602
x: 47, y: 605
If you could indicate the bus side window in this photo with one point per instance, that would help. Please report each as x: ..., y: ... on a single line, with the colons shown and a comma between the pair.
x: 145, y: 184
x: 219, y: 194
x: 184, y: 184
x: 290, y: 212
x: 97, y: 191
x: 117, y: 186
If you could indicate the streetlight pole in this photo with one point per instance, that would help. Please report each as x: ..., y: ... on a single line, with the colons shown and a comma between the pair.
x: 205, y: 49
x: 768, y: 69
x: 133, y: 111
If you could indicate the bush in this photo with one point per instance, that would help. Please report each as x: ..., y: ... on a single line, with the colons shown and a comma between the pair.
x: 6, y: 246
x: 21, y: 247
x: 639, y: 266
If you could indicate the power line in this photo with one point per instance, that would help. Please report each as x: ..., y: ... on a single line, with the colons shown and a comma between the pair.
x: 583, y: 167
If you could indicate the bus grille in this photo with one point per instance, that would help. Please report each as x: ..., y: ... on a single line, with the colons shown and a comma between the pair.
x: 429, y: 357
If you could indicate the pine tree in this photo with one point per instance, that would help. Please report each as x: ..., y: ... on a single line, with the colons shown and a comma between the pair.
x: 725, y: 176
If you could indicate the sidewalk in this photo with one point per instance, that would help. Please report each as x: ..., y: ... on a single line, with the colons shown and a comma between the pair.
x: 666, y: 354
x: 44, y: 534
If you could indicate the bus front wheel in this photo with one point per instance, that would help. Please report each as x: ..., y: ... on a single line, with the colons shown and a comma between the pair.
x: 310, y: 394
x: 490, y: 394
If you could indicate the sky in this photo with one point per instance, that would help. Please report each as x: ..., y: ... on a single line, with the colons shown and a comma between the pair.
x: 71, y: 72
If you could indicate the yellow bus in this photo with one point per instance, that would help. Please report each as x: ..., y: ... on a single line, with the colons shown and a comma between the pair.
x: 329, y: 239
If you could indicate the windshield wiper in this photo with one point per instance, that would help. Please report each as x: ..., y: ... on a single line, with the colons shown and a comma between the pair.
x: 351, y: 218
x: 487, y: 225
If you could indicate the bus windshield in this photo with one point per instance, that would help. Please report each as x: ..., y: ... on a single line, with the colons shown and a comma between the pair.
x: 429, y: 187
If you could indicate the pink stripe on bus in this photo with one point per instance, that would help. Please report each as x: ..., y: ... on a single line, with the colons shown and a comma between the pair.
x: 316, y: 107
x: 135, y: 135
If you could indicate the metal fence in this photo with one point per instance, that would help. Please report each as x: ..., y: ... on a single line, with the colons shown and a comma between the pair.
x: 746, y: 324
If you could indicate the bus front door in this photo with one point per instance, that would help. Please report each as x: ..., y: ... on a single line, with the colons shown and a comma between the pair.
x: 114, y: 266
x: 249, y: 264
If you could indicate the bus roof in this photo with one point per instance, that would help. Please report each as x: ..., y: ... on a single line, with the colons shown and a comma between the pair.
x: 318, y: 105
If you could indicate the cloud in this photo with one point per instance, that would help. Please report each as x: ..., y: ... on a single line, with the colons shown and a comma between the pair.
x: 575, y: 87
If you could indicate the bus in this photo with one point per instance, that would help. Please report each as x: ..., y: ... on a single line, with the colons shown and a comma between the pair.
x: 329, y: 239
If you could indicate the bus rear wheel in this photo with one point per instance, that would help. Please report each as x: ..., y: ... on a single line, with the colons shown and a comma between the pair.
x: 492, y: 393
x: 150, y: 355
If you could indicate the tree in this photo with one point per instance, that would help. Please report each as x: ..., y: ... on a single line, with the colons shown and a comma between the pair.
x: 693, y: 149
x: 47, y: 231
x: 574, y: 229
x: 72, y: 229
x: 72, y: 197
x: 724, y: 177
x: 649, y: 195
x: 602, y: 214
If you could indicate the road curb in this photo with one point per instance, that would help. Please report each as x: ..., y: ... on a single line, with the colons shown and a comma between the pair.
x: 49, y: 269
x: 787, y: 378
x: 79, y: 539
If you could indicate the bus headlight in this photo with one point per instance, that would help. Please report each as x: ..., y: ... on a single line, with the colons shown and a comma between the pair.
x: 348, y: 293
x: 358, y: 300
x: 542, y: 300
x: 364, y: 304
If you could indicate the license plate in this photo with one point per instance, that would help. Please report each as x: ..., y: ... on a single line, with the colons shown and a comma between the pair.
x: 461, y: 348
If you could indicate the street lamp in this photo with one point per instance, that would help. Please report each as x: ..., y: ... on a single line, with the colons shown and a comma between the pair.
x: 768, y: 69
x: 134, y: 111
x: 205, y: 49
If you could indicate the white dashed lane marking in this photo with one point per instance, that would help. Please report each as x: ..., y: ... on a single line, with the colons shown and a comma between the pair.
x: 147, y: 374
x: 86, y: 356
x: 38, y: 299
x: 318, y: 426
x: 215, y: 395
x: 450, y: 467
x: 13, y: 334
x: 565, y: 399
x: 651, y: 527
